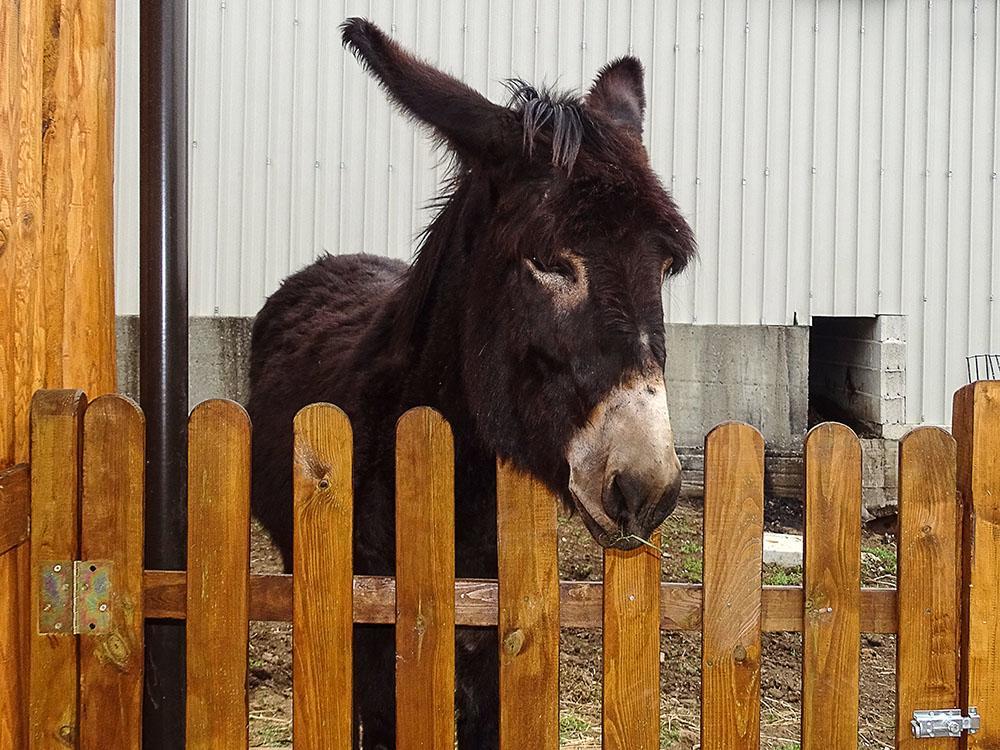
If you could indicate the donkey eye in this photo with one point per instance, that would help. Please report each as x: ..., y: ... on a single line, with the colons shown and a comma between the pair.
x: 559, y: 267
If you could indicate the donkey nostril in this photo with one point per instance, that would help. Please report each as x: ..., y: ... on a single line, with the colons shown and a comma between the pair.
x: 634, y: 491
x: 624, y: 498
x: 615, y: 503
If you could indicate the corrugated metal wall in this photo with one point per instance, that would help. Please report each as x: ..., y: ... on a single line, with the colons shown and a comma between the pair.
x: 835, y: 158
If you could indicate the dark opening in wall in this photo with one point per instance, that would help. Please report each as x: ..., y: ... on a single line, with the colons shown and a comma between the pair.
x: 857, y: 373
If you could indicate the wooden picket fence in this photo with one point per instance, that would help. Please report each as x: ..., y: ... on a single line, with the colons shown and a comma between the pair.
x: 86, y: 504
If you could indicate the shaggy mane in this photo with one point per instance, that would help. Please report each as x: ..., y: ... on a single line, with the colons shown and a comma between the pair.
x: 563, y: 113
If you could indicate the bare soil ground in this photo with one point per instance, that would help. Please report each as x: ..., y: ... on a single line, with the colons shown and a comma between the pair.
x: 580, y: 658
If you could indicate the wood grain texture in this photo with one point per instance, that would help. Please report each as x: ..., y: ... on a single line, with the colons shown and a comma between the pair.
x: 927, y: 647
x: 57, y: 323
x: 24, y: 324
x: 581, y: 603
x: 111, y: 664
x: 528, y: 628
x: 322, y: 584
x: 56, y: 258
x: 22, y: 307
x: 832, y: 574
x: 977, y: 432
x: 77, y: 122
x: 14, y: 637
x: 733, y: 556
x: 425, y: 582
x: 15, y: 501
x: 56, y: 421
x: 218, y: 560
x: 631, y: 694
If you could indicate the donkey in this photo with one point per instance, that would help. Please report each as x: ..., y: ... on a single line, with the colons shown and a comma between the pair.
x: 532, y: 318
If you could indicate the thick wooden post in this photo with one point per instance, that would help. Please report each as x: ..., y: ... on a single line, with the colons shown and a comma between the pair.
x: 56, y: 255
x: 976, y: 426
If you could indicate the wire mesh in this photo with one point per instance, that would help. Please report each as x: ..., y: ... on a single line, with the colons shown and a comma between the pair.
x: 983, y: 367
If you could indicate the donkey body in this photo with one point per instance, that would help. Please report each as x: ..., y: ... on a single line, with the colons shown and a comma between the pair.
x: 532, y: 319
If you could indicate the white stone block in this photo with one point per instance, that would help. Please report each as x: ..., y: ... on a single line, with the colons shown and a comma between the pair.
x: 782, y: 549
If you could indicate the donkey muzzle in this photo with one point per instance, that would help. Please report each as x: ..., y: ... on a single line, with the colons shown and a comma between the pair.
x: 624, y: 473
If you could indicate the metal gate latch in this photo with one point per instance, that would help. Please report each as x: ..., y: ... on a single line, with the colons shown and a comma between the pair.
x: 74, y: 597
x: 947, y: 722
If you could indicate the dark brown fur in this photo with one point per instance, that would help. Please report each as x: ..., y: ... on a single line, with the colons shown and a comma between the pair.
x: 467, y: 330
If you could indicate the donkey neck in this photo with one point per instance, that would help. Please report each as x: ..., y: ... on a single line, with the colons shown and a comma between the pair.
x: 430, y: 369
x: 429, y: 309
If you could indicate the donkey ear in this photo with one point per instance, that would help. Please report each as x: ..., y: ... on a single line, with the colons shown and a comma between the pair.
x: 617, y: 92
x: 471, y: 124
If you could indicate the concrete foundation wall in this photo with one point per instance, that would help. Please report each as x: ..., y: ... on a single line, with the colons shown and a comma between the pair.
x: 218, y: 358
x: 753, y: 374
x: 756, y: 374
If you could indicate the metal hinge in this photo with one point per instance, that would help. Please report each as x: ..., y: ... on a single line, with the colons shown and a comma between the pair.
x: 947, y: 722
x: 74, y: 597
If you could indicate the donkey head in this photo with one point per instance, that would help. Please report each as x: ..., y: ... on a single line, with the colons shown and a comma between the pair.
x: 554, y: 245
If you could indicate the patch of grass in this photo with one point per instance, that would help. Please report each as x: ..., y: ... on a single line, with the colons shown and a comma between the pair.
x: 669, y: 736
x: 691, y: 569
x: 775, y: 575
x: 572, y: 726
x: 878, y: 562
x: 690, y: 548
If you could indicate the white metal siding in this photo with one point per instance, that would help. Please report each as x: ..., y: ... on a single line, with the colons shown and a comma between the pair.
x: 835, y: 158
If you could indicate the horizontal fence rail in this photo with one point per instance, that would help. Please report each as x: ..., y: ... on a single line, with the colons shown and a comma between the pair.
x: 85, y: 492
x: 476, y: 601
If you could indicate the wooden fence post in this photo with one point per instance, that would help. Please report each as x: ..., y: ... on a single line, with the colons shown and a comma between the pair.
x: 56, y: 255
x: 631, y: 695
x: 831, y: 637
x: 528, y: 571
x: 425, y: 582
x: 927, y: 648
x: 976, y: 418
x: 733, y: 555
x: 56, y: 420
x: 111, y: 530
x: 323, y: 583
x: 218, y: 575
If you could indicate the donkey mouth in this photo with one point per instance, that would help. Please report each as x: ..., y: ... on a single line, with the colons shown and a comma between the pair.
x: 608, y: 538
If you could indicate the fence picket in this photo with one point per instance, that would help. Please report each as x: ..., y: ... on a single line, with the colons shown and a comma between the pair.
x: 733, y: 554
x: 529, y: 612
x: 55, y: 493
x: 111, y: 663
x: 425, y: 582
x: 977, y: 431
x: 832, y: 623
x: 323, y: 588
x: 928, y: 583
x: 218, y: 562
x: 631, y: 694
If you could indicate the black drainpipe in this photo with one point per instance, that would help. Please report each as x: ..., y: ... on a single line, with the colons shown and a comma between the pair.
x: 163, y: 342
